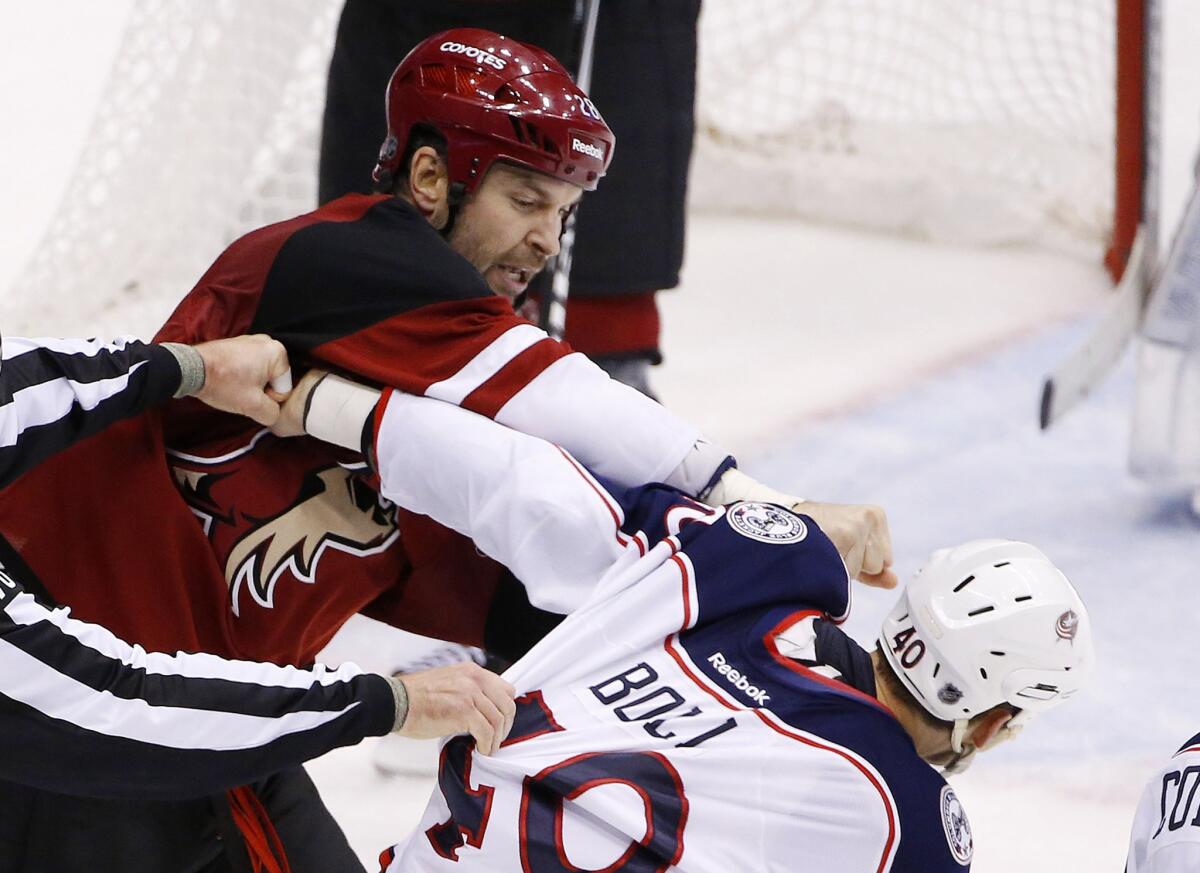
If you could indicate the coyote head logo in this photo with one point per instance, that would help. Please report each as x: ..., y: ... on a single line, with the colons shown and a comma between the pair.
x: 273, y: 506
x: 335, y: 512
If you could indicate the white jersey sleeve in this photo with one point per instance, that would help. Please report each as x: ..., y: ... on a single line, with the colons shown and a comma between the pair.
x: 611, y: 428
x: 1166, y: 826
x: 526, y: 503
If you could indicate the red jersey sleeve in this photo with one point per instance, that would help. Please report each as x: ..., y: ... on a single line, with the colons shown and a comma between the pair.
x: 366, y: 286
x: 383, y: 297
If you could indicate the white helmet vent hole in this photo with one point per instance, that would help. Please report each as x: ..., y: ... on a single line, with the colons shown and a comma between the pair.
x: 936, y: 667
x: 1023, y: 598
x: 980, y: 611
x: 963, y: 584
x: 1001, y: 564
x: 1001, y: 655
x: 983, y: 672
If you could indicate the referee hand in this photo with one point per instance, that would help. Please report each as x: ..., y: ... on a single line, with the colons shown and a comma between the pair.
x: 462, y: 698
x: 238, y: 373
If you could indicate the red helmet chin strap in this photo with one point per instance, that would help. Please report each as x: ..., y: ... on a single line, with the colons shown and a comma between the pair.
x: 494, y: 98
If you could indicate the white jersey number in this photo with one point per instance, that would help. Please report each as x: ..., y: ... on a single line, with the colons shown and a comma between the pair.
x: 650, y: 774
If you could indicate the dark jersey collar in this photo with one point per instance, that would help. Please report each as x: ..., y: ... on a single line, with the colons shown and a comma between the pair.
x: 835, y: 648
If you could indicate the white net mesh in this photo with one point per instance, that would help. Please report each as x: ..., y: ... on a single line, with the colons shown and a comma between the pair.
x: 207, y: 128
x: 975, y: 120
x: 979, y: 120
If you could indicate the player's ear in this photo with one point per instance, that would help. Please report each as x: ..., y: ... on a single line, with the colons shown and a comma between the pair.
x: 429, y: 185
x: 989, y: 725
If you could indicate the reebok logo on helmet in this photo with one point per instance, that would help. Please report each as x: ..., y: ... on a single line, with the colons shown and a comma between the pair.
x: 475, y: 54
x: 586, y: 148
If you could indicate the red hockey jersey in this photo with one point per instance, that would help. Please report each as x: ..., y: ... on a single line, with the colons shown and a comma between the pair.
x: 275, y: 543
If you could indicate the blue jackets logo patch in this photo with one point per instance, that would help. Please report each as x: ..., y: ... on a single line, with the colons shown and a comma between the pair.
x: 958, y: 829
x: 766, y: 523
x: 1067, y: 625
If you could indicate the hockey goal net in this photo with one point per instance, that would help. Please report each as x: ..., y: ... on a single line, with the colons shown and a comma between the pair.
x: 956, y: 120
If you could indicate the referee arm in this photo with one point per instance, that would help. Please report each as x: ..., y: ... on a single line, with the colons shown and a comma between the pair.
x: 55, y: 392
x: 83, y: 712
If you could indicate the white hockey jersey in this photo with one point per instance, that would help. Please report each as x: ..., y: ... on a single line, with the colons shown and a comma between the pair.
x: 659, y: 726
x: 1166, y: 827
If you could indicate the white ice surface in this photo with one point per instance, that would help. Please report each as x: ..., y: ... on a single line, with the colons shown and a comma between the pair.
x: 839, y: 365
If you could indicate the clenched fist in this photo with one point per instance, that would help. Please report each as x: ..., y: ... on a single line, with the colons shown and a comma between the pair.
x: 462, y: 698
x: 237, y: 373
x: 860, y: 533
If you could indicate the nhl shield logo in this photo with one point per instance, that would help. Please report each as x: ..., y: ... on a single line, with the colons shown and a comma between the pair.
x: 958, y: 829
x: 950, y: 693
x: 767, y: 523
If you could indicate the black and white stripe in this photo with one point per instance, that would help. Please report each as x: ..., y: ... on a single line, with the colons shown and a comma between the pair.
x: 81, y: 711
x: 54, y: 392
x: 146, y: 724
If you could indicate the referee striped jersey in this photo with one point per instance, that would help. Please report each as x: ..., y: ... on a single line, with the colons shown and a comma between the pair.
x: 54, y: 392
x: 83, y: 712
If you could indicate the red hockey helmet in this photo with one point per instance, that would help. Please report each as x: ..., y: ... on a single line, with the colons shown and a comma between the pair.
x: 494, y: 98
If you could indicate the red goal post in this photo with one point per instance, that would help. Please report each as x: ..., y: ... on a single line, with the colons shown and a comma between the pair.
x: 1135, y: 138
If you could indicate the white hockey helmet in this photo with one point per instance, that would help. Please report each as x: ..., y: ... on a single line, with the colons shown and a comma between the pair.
x: 989, y: 622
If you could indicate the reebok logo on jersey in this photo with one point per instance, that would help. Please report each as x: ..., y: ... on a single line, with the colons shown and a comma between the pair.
x: 737, y: 680
x: 475, y: 54
x: 586, y: 148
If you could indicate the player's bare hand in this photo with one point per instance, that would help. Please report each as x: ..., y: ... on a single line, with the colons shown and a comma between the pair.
x: 462, y: 698
x: 238, y: 373
x: 291, y: 415
x: 862, y: 538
